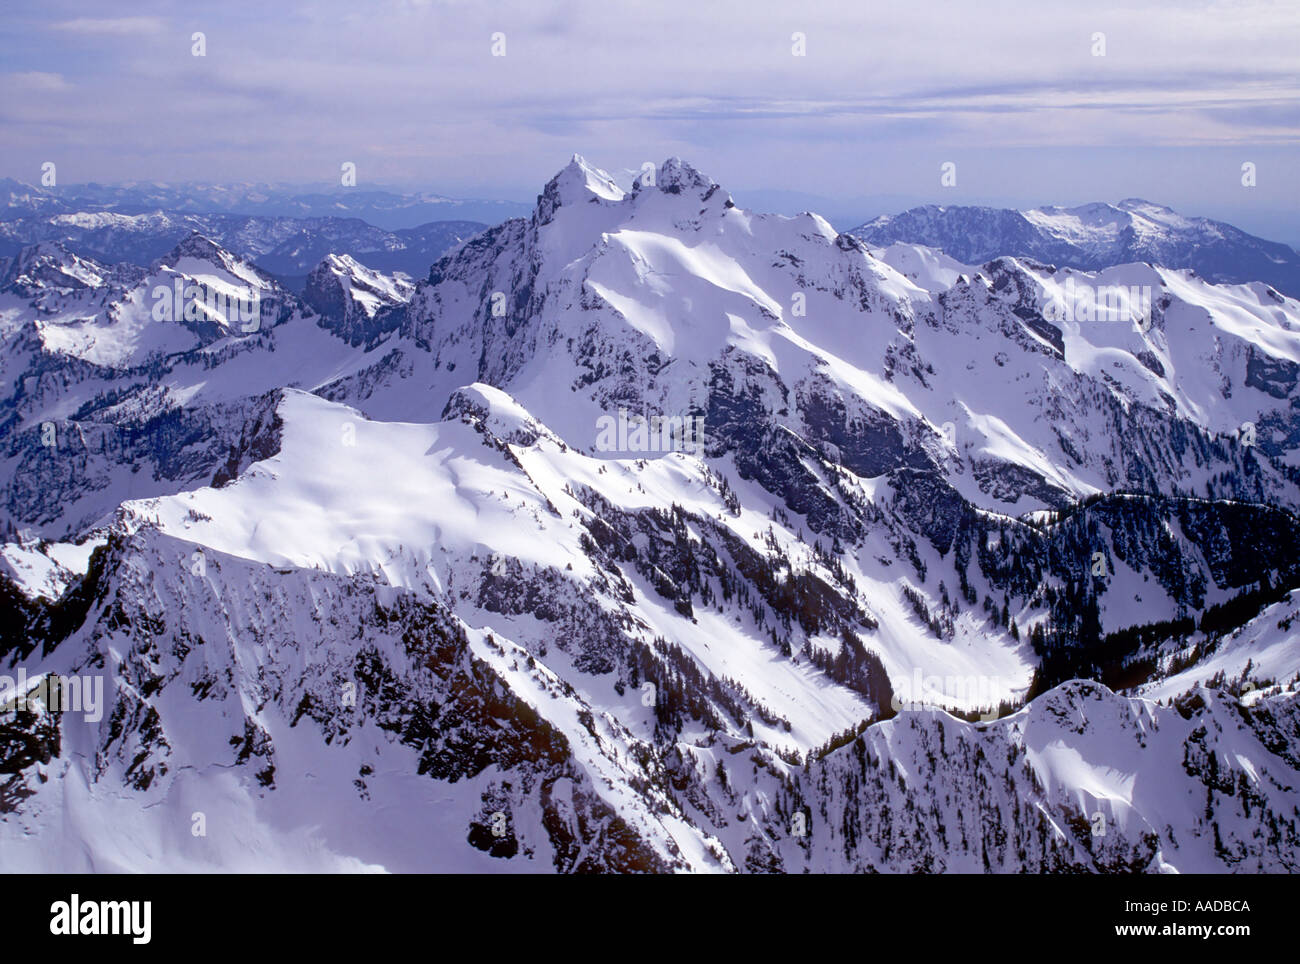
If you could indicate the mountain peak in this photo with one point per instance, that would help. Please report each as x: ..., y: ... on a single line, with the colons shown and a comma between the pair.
x: 576, y: 183
x: 1129, y: 203
x: 1160, y: 214
x: 348, y: 295
x: 579, y: 182
x: 51, y: 263
x: 45, y: 250
x: 339, y: 264
x: 199, y: 246
x: 675, y: 175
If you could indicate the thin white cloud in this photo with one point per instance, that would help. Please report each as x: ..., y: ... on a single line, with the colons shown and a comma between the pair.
x: 411, y: 91
x: 116, y: 26
x: 36, y: 80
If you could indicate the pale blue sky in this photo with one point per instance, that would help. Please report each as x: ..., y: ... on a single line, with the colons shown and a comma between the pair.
x: 886, y: 92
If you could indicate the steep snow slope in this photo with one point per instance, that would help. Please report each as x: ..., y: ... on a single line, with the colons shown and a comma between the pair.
x: 430, y: 507
x: 259, y: 736
x: 1260, y: 657
x: 1081, y: 779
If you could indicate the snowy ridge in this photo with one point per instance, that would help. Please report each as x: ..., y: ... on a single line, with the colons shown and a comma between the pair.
x: 1081, y: 779
x: 1093, y: 237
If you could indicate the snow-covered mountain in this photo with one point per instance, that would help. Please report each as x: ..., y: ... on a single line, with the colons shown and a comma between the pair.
x: 650, y: 533
x: 355, y: 298
x: 1093, y: 237
x: 287, y: 247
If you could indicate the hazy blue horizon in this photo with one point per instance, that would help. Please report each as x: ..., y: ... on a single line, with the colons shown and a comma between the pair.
x: 856, y: 106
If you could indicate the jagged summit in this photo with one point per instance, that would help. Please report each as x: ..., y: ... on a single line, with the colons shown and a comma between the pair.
x: 197, y: 245
x: 51, y: 264
x: 576, y: 183
x: 342, y: 265
x: 579, y: 182
x: 676, y: 176
x: 348, y: 295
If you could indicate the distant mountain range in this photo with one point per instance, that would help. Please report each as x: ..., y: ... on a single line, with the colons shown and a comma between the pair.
x: 1092, y: 237
x: 384, y: 209
x: 286, y: 247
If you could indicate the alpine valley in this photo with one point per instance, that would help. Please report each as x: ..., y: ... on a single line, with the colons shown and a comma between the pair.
x: 956, y: 581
